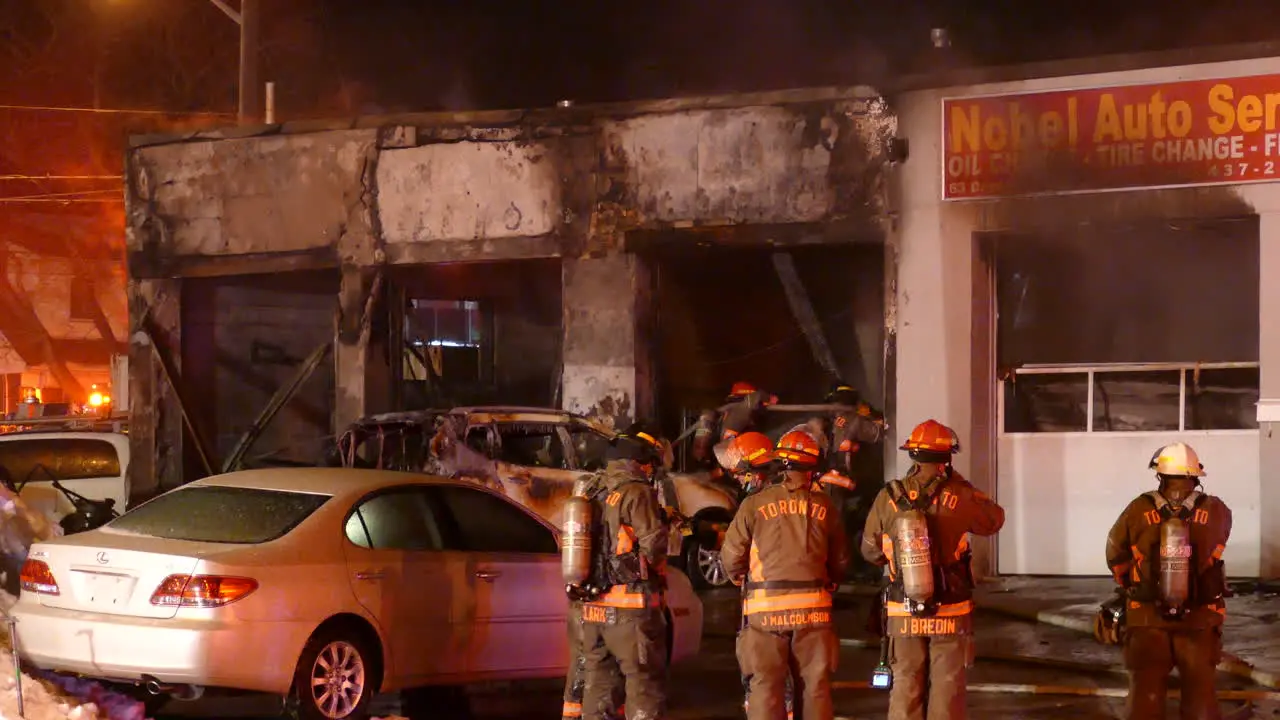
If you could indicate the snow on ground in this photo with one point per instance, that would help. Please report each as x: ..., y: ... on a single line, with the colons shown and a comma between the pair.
x: 48, y: 697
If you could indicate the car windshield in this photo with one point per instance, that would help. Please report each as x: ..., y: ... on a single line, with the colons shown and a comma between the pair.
x: 211, y: 513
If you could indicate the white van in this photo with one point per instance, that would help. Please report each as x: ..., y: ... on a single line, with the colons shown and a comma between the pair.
x: 92, y: 464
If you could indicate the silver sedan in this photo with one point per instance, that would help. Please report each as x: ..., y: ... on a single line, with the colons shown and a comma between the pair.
x: 325, y: 585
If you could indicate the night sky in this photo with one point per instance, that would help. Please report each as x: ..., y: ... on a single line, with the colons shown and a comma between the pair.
x: 331, y: 56
x: 346, y: 57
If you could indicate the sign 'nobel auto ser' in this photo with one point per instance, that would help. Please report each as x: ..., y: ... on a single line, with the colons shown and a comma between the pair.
x: 1202, y: 132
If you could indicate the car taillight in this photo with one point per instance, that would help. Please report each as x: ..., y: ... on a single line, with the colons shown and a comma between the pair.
x: 38, y: 578
x: 202, y: 591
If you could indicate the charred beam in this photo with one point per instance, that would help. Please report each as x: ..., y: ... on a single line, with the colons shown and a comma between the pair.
x: 143, y: 265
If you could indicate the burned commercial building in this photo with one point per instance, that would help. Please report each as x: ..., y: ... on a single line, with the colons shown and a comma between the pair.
x: 618, y: 261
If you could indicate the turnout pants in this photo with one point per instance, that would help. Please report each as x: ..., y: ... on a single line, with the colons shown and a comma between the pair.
x: 929, y: 677
x: 575, y: 681
x: 636, y: 644
x: 808, y: 656
x: 1151, y: 653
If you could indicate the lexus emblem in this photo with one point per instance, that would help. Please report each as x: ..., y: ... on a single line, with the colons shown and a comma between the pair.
x: 102, y: 558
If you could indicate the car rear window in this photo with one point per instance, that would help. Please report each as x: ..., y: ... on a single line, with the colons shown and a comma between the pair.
x: 211, y: 513
x: 62, y: 458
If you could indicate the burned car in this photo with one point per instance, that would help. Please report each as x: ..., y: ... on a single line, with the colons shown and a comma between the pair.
x: 533, y: 456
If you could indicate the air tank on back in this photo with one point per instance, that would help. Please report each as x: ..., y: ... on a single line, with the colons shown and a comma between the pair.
x: 915, y: 563
x: 575, y: 537
x: 1175, y: 565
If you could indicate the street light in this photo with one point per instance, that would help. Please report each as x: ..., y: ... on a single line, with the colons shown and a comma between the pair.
x: 248, y: 20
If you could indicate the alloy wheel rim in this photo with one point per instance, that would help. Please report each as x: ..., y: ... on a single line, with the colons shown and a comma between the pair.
x: 337, y: 679
x: 711, y: 567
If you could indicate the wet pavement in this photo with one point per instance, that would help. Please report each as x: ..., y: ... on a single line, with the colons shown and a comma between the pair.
x: 1010, y: 652
x: 1251, y: 638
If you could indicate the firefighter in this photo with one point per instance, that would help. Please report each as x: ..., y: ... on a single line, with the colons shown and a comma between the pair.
x: 742, y: 411
x: 786, y: 548
x: 749, y: 459
x: 1165, y: 551
x: 919, y: 527
x: 588, y: 487
x: 854, y: 426
x: 624, y: 622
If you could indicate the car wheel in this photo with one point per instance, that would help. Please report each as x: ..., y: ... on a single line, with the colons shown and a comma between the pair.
x: 702, y: 565
x: 335, y: 679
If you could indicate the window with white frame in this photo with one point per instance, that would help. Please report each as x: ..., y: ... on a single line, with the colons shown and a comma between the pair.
x: 1131, y: 398
x: 1142, y: 327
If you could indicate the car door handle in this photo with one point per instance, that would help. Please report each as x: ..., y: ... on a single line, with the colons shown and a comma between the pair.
x: 487, y: 575
x: 370, y: 575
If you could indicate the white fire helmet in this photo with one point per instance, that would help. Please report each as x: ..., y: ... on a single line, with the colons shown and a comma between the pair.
x: 1177, y: 460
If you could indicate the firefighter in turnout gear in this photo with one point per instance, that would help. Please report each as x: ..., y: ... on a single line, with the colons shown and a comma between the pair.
x: 623, y: 616
x: 740, y: 413
x: 919, y: 527
x: 576, y: 561
x: 1165, y: 551
x: 786, y: 547
x: 851, y: 429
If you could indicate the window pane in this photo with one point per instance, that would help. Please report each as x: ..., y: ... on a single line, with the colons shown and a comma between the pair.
x: 65, y: 458
x: 356, y: 533
x: 451, y: 326
x: 1136, y: 401
x: 209, y: 513
x: 489, y: 524
x: 589, y: 447
x: 1046, y: 403
x: 400, y: 520
x: 1222, y: 399
x: 531, y: 445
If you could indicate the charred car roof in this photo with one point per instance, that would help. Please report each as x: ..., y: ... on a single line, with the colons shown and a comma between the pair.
x: 484, y: 414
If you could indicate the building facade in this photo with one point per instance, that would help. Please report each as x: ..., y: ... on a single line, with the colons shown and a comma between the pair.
x: 620, y: 261
x: 1072, y: 265
x: 1088, y: 270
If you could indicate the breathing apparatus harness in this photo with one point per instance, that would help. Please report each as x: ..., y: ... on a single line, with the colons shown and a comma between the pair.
x: 1175, y: 586
x: 917, y: 549
x: 591, y: 489
x: 1175, y: 580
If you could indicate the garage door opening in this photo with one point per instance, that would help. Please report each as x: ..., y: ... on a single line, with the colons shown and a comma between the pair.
x: 245, y: 337
x: 724, y: 315
x: 477, y: 334
x: 1112, y: 342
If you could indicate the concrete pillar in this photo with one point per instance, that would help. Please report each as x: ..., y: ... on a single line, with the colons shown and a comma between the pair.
x: 360, y: 382
x: 1269, y: 361
x: 607, y: 365
x: 156, y: 432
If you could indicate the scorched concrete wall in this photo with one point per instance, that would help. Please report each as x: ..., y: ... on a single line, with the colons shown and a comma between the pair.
x: 568, y: 183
